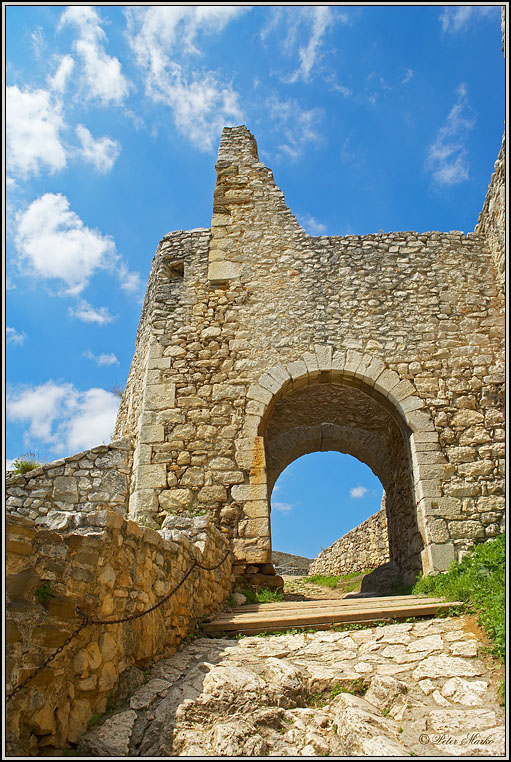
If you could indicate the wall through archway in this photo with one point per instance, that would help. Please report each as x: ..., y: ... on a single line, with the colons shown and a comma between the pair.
x: 342, y: 417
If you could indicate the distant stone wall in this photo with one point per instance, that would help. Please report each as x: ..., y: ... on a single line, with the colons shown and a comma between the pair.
x: 110, y: 568
x: 492, y: 220
x: 88, y: 481
x: 365, y: 547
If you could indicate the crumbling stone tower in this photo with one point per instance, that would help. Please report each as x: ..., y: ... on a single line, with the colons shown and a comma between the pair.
x: 258, y: 344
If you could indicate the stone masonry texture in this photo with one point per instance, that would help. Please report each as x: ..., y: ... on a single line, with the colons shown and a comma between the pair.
x: 110, y: 568
x: 258, y: 344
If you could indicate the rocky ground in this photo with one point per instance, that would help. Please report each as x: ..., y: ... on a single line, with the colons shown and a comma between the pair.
x: 416, y: 688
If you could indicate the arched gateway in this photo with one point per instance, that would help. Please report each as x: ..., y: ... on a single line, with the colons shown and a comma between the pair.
x: 258, y: 344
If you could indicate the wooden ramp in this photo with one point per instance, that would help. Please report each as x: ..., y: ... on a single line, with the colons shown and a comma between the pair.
x: 321, y: 614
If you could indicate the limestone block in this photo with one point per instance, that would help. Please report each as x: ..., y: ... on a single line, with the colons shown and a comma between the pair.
x: 249, y: 492
x: 260, y: 394
x: 437, y: 558
x: 221, y: 271
x: 153, y: 432
x: 324, y: 354
x: 257, y: 527
x: 213, y: 494
x: 172, y: 499
x: 160, y: 396
x: 268, y: 382
x: 228, y: 392
x: 111, y: 739
x: 419, y: 421
x: 151, y: 476
x: 298, y: 371
x: 403, y: 390
x: 280, y: 374
x: 386, y: 381
x: 65, y: 489
x: 465, y: 418
x: 352, y: 362
x: 256, y: 509
x: 141, y: 501
x: 411, y: 403
x: 311, y: 361
x: 339, y: 359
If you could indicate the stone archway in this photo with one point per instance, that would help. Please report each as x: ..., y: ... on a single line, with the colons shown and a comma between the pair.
x: 351, y: 402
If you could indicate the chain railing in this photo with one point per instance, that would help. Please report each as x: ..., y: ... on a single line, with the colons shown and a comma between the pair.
x: 87, y: 621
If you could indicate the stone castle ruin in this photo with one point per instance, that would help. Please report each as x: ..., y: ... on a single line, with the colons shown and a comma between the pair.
x: 258, y: 344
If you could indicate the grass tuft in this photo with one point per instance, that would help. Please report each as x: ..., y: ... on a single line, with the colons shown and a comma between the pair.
x: 25, y: 463
x: 262, y: 595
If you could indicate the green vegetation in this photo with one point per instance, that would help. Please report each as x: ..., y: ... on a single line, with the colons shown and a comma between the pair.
x: 319, y: 699
x: 25, y: 463
x: 262, y: 595
x: 94, y: 719
x: 333, y: 580
x: 480, y: 580
x: 323, y: 580
x: 44, y: 593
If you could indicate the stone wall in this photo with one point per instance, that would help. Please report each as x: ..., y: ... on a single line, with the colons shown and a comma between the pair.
x: 88, y: 481
x: 110, y: 568
x: 492, y: 220
x: 364, y: 547
x: 254, y: 316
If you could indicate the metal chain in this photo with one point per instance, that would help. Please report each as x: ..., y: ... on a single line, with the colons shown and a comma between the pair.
x: 49, y: 659
x: 86, y: 621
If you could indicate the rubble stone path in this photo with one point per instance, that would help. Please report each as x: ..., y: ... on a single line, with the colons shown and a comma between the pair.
x: 416, y: 688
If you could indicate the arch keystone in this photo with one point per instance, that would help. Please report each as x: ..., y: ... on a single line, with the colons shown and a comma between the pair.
x: 324, y: 354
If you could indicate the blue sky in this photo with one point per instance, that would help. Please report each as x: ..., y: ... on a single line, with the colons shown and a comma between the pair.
x: 371, y: 118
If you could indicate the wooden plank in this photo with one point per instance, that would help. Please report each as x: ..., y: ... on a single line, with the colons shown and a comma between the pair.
x: 323, y: 617
x: 339, y: 605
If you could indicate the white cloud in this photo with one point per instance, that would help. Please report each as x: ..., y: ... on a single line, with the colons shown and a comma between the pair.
x: 282, y: 507
x: 358, y: 492
x: 457, y: 18
x: 301, y: 32
x: 100, y: 152
x: 60, y: 415
x: 102, y: 77
x: 447, y: 155
x: 53, y: 241
x: 34, y: 123
x: 102, y: 359
x: 319, y: 18
x: 89, y: 314
x: 59, y: 80
x: 298, y: 126
x: 163, y: 38
x: 12, y: 336
x: 129, y: 281
x: 312, y: 225
x: 407, y: 76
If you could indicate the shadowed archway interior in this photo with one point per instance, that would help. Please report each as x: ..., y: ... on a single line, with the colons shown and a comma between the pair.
x: 325, y: 416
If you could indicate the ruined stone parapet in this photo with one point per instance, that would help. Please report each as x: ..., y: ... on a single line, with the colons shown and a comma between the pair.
x: 110, y: 568
x: 88, y: 481
x: 364, y: 547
